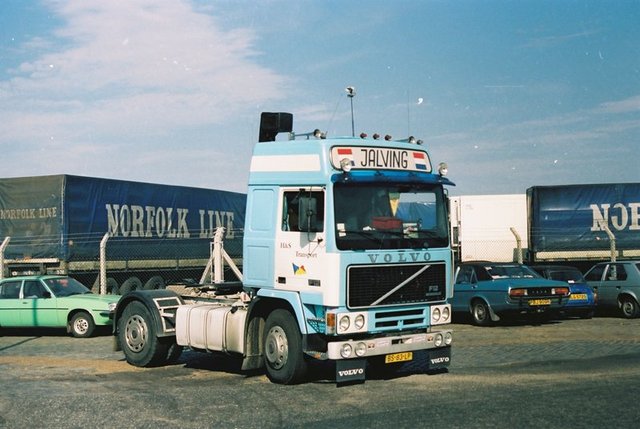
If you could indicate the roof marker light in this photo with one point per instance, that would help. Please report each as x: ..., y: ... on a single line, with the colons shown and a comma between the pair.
x: 376, y: 136
x: 388, y: 137
x: 345, y: 165
x: 363, y: 135
x: 443, y: 169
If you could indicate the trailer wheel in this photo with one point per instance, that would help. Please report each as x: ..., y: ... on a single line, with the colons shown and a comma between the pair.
x: 283, y: 355
x: 132, y: 283
x: 137, y: 337
x: 629, y: 307
x: 82, y: 325
x: 155, y: 282
x: 480, y: 313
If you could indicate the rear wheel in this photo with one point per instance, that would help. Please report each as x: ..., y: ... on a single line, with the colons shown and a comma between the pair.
x: 155, y: 282
x: 283, y: 355
x: 81, y: 325
x: 132, y: 283
x: 629, y: 307
x: 138, y: 338
x: 480, y: 313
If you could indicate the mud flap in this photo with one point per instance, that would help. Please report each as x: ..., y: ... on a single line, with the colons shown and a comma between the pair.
x: 438, y: 358
x: 350, y: 371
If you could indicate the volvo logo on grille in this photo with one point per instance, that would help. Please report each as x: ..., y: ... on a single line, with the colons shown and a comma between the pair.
x: 399, y: 257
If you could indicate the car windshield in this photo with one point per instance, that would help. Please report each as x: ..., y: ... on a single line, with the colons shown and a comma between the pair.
x: 388, y: 216
x: 510, y: 272
x: 569, y: 276
x: 66, y: 286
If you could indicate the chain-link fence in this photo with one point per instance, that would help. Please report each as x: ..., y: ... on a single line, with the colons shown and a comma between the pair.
x: 129, y: 263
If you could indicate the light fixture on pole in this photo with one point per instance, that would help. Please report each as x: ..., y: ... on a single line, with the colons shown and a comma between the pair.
x: 351, y: 92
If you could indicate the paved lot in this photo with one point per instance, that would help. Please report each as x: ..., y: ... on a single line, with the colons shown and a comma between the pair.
x: 577, y: 373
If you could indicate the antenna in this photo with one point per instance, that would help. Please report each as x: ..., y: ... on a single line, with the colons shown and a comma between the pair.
x: 351, y: 92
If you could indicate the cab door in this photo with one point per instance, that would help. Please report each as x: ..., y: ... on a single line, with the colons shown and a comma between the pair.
x: 10, y: 303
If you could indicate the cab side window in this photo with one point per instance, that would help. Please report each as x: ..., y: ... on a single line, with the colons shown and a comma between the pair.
x: 616, y: 273
x: 10, y: 290
x: 303, y: 210
x: 595, y: 275
x: 32, y: 289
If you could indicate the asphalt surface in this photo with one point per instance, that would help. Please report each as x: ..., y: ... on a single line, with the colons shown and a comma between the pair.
x: 570, y: 373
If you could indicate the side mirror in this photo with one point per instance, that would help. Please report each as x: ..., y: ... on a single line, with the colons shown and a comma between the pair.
x: 46, y: 294
x: 307, y: 214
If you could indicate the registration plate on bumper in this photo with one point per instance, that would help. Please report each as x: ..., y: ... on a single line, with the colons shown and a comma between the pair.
x: 580, y: 296
x: 540, y: 302
x: 398, y: 357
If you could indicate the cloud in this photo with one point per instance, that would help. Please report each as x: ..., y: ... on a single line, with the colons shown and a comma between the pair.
x: 141, y: 66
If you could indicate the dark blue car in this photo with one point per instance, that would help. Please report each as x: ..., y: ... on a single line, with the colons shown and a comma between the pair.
x: 583, y: 299
x: 489, y: 291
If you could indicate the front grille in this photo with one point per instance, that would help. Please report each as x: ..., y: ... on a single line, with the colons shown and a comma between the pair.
x: 367, y: 284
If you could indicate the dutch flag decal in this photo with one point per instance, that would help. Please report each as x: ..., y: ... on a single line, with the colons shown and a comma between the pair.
x: 419, y: 160
x: 346, y: 153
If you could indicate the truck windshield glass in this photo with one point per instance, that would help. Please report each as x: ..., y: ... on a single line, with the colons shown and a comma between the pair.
x: 384, y: 216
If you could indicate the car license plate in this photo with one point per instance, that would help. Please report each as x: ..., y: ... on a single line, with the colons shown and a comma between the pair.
x: 540, y: 302
x: 582, y: 296
x: 398, y: 357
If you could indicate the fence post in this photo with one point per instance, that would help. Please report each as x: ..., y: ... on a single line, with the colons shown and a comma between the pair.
x: 3, y: 246
x: 103, y: 264
x: 612, y: 238
x: 518, y: 244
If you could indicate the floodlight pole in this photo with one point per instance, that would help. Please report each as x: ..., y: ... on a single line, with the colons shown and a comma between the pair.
x: 351, y: 92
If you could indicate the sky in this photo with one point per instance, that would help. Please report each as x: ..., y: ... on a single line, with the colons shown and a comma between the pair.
x: 511, y: 94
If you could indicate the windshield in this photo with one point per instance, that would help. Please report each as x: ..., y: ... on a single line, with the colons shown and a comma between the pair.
x: 384, y: 216
x: 66, y: 286
x: 568, y: 276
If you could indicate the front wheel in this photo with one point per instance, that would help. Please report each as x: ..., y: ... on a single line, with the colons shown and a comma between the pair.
x: 138, y: 338
x: 283, y: 355
x: 82, y: 325
x: 480, y: 313
x: 629, y: 307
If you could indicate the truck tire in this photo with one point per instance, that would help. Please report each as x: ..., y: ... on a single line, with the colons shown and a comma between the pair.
x: 629, y: 307
x: 283, y: 357
x: 112, y: 286
x: 155, y: 282
x: 138, y: 339
x: 82, y: 325
x: 480, y: 313
x: 132, y: 283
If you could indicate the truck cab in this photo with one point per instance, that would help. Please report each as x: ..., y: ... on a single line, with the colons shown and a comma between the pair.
x: 346, y: 258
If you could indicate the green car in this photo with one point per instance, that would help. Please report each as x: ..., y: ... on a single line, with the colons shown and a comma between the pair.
x: 53, y: 302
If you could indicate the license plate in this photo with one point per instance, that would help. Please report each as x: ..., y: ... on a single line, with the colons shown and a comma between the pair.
x: 582, y: 296
x: 540, y: 302
x: 398, y: 357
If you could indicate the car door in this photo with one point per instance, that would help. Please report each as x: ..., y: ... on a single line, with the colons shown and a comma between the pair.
x: 38, y: 306
x: 614, y: 279
x: 10, y: 304
x: 463, y: 288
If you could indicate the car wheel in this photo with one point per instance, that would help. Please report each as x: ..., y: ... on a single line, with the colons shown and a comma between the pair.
x: 283, y: 355
x: 138, y: 339
x: 480, y: 313
x: 629, y: 307
x: 81, y: 325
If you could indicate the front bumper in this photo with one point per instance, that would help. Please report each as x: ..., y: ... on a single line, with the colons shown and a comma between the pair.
x: 388, y: 344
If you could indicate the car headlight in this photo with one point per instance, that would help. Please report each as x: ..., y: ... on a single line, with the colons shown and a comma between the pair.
x: 438, y: 340
x: 448, y: 338
x: 112, y: 306
x: 435, y: 314
x: 361, y: 349
x: 446, y: 313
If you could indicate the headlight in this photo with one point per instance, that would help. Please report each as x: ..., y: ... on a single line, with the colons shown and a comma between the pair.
x: 346, y: 350
x: 438, y: 340
x: 112, y: 306
x: 359, y: 322
x: 344, y: 323
x: 446, y: 313
x: 361, y: 349
x: 435, y: 314
x: 448, y: 338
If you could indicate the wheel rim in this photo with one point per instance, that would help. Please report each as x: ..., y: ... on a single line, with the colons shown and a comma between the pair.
x: 480, y: 312
x: 627, y: 308
x: 135, y: 333
x: 276, y: 347
x: 81, y: 326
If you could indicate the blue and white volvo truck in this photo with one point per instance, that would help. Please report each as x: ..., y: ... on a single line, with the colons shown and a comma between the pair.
x: 346, y: 258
